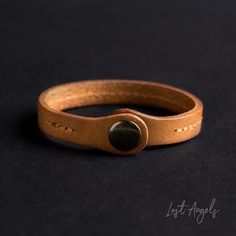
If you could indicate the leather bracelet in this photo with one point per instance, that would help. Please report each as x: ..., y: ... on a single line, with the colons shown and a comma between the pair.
x: 125, y: 131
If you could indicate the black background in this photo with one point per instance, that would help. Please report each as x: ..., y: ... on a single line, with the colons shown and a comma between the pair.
x: 48, y: 189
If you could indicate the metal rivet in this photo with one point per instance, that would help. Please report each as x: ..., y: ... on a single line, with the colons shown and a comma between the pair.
x: 125, y: 135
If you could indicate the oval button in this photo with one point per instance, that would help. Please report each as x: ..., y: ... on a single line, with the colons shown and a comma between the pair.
x: 125, y: 135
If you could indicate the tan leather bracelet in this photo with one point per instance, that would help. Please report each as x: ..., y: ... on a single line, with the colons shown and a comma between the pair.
x: 125, y: 131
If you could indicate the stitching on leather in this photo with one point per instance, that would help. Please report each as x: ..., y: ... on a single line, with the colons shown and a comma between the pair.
x: 59, y: 126
x: 150, y: 97
x: 187, y: 128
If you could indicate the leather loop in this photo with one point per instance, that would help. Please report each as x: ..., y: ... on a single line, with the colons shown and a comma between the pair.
x: 93, y: 131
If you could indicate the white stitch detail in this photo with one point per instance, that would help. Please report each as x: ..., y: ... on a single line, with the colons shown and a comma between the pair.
x: 190, y: 127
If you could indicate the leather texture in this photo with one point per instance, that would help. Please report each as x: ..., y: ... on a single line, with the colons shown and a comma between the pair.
x: 93, y: 131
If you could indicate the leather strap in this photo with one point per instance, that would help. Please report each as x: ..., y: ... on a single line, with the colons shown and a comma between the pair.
x: 93, y: 131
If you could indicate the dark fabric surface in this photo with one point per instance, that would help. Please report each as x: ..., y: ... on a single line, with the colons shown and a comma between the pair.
x: 50, y: 189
